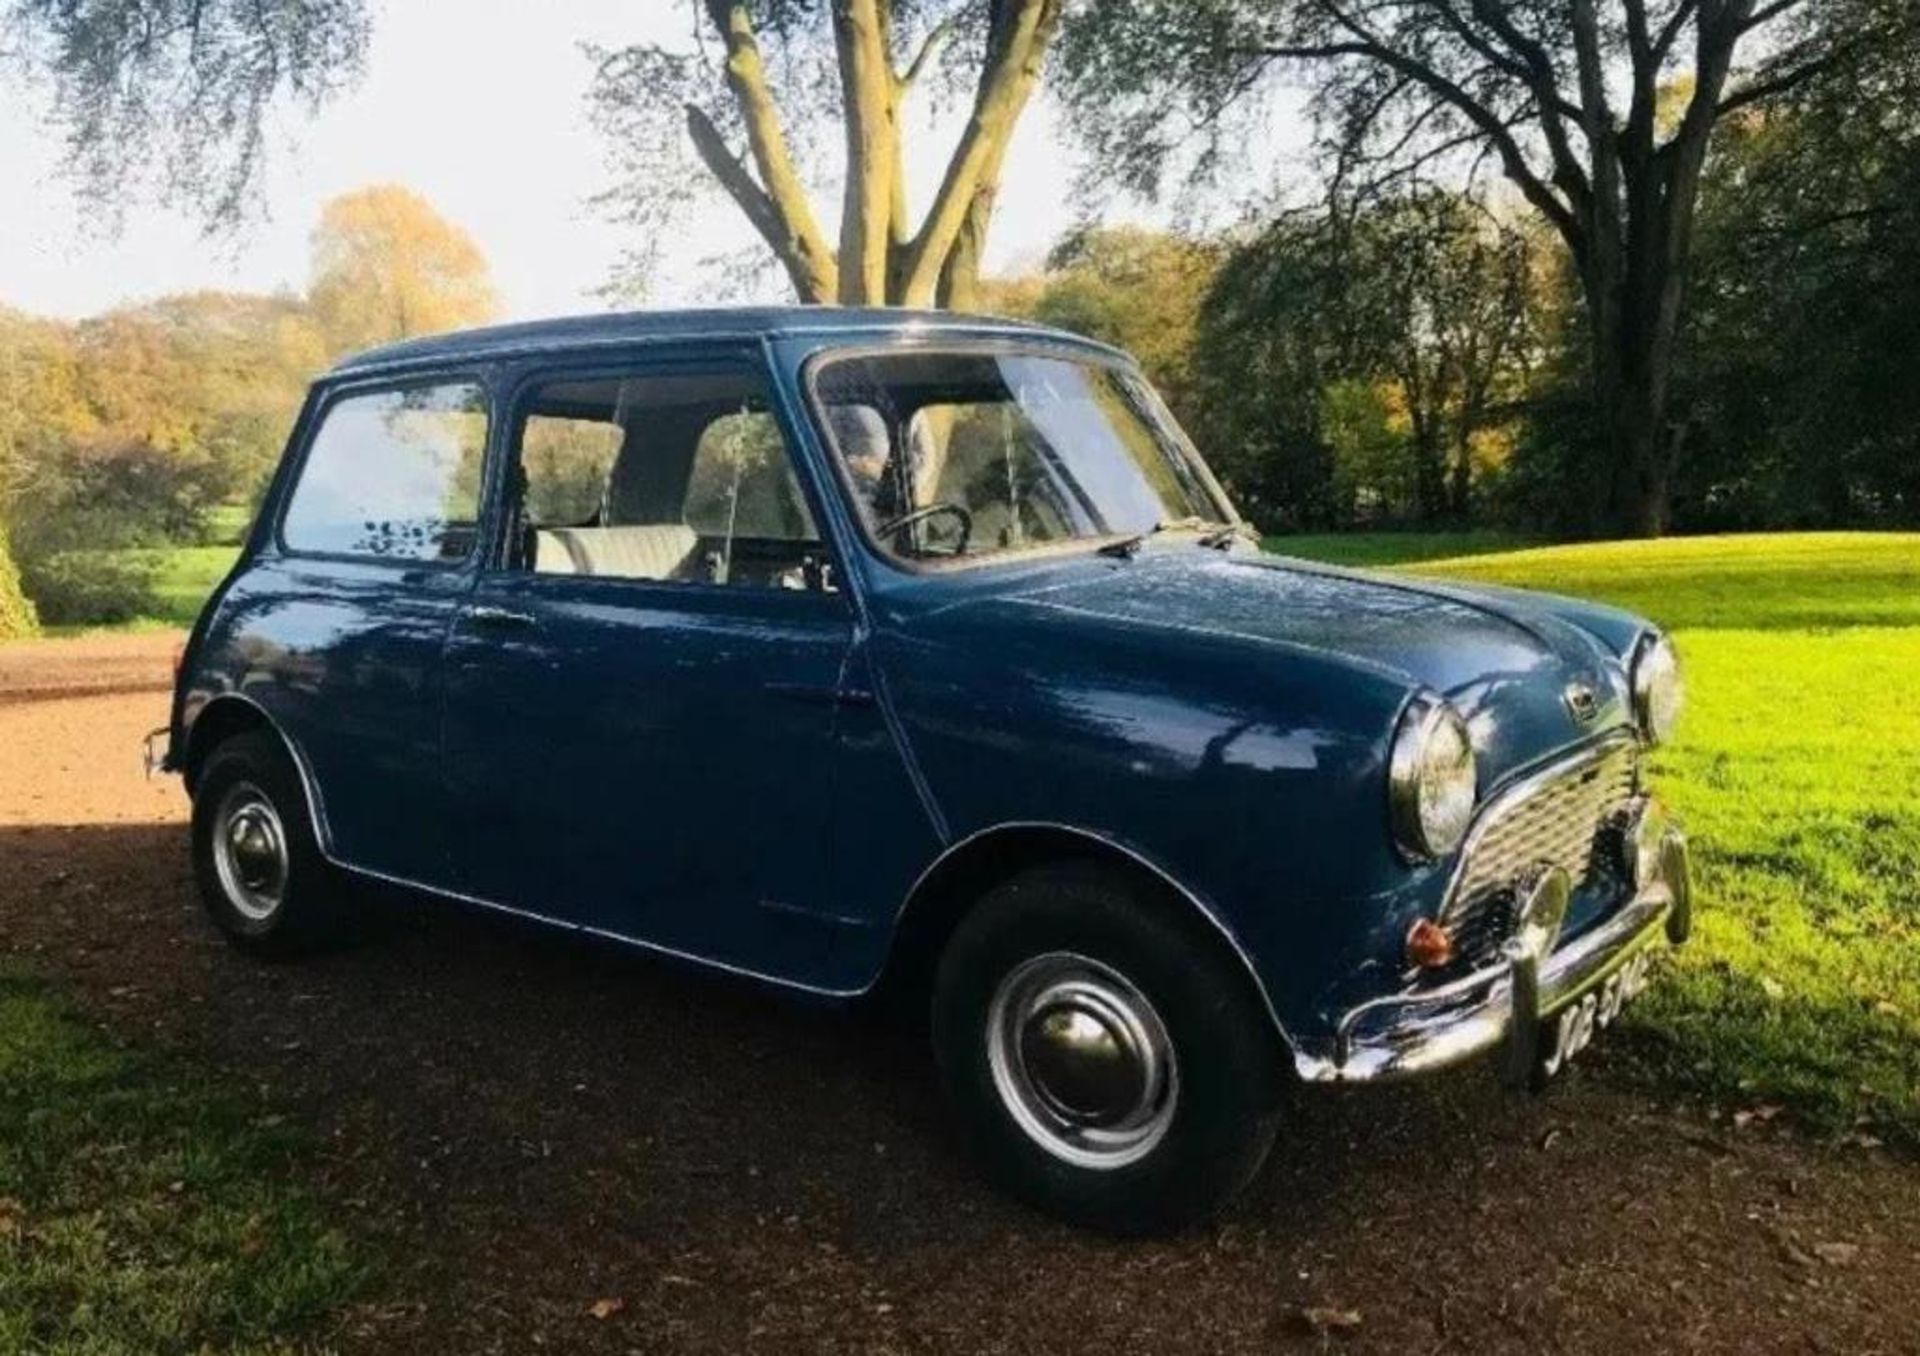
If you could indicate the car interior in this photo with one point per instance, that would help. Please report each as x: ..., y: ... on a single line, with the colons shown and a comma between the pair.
x: 682, y: 477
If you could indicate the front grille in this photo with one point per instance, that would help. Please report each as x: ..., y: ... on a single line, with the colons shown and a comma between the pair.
x: 1570, y: 821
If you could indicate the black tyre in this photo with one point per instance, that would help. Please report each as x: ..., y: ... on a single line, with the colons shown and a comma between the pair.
x: 1115, y: 1067
x: 260, y: 872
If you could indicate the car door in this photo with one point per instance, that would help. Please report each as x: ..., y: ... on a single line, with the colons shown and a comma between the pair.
x: 340, y: 625
x: 641, y: 693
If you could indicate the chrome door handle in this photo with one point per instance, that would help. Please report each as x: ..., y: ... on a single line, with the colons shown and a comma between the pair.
x: 502, y: 618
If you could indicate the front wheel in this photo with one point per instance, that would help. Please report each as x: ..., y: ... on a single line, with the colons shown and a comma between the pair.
x: 262, y: 877
x: 1111, y: 1062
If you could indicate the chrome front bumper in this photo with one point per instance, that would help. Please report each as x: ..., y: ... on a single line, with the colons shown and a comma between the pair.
x: 1502, y: 1006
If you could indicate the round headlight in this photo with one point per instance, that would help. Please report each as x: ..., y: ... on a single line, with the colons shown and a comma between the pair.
x: 1658, y: 692
x: 1431, y: 780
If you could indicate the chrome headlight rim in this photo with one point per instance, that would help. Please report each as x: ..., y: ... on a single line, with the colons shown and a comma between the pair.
x: 1426, y: 719
x: 1658, y: 687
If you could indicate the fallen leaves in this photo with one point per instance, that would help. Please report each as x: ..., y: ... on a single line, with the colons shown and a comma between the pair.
x: 604, y: 1309
x: 1323, y: 1320
x: 1833, y: 1252
x: 1837, y: 1254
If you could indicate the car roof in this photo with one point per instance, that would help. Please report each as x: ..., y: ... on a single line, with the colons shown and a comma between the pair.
x: 587, y: 331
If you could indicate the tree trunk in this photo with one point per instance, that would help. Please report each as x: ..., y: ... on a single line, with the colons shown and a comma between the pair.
x: 1635, y: 329
x: 1460, y: 493
x: 1430, y: 474
x: 870, y: 94
x: 960, y: 279
x: 1636, y: 499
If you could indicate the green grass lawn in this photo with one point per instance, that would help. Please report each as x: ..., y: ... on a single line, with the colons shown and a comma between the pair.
x: 145, y: 1208
x: 1393, y: 548
x: 186, y: 576
x: 1797, y: 772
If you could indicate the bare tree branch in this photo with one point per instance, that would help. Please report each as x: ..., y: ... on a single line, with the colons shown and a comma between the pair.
x: 930, y: 47
x: 1775, y: 85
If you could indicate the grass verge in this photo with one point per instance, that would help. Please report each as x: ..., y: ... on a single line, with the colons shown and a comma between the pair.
x: 144, y: 1208
x: 1797, y: 772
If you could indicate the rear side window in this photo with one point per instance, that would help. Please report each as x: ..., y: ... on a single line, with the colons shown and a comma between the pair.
x: 393, y: 475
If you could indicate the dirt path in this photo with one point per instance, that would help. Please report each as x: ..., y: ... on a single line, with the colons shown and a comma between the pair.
x: 36, y: 669
x: 528, y: 1125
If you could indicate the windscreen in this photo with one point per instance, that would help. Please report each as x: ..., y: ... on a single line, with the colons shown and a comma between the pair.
x: 965, y: 454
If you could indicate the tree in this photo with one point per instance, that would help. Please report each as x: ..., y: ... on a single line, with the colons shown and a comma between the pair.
x: 39, y: 402
x: 1137, y: 289
x: 766, y: 76
x: 170, y: 96
x: 212, y: 378
x: 1351, y: 359
x: 1562, y: 95
x: 173, y: 95
x: 124, y: 430
x: 1449, y: 290
x: 1797, y: 384
x: 17, y: 614
x: 1272, y: 338
x: 386, y: 266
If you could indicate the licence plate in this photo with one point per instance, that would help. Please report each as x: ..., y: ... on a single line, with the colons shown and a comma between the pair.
x: 1572, y: 1029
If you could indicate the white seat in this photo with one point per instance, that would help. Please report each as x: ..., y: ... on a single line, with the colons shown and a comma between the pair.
x: 649, y: 551
x: 550, y: 554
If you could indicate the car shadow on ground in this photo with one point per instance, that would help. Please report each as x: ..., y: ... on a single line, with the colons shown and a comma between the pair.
x: 529, y: 1120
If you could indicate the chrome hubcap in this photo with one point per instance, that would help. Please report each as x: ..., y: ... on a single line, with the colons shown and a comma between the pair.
x: 250, y: 852
x: 1082, y: 1061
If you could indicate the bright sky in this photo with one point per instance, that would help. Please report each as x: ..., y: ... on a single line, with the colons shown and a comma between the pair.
x: 484, y: 114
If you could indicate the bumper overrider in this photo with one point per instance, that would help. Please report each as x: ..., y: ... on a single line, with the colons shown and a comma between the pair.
x: 1502, y: 1007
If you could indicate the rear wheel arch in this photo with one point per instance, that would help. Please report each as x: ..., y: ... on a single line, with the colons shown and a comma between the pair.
x: 971, y: 868
x: 228, y: 716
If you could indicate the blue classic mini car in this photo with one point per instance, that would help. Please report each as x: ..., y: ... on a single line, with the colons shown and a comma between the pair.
x: 871, y: 651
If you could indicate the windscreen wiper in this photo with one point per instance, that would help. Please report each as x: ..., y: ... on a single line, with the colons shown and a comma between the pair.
x: 1128, y: 547
x: 1227, y: 534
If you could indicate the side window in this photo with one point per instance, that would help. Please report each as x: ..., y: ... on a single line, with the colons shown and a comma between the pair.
x: 742, y: 485
x: 680, y: 476
x: 567, y: 462
x: 393, y: 475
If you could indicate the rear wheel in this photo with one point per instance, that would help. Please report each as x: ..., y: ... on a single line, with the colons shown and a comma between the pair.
x: 262, y: 877
x: 1109, y: 1059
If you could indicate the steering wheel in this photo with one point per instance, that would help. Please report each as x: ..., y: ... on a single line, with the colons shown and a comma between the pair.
x: 896, y: 525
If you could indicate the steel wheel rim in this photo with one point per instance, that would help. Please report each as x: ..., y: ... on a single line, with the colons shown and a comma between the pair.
x: 1082, y: 1061
x: 250, y: 852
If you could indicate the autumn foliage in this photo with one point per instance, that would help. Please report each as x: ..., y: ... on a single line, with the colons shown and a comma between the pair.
x: 125, y: 430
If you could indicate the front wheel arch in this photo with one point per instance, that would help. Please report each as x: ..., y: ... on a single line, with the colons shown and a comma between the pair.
x: 968, y: 870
